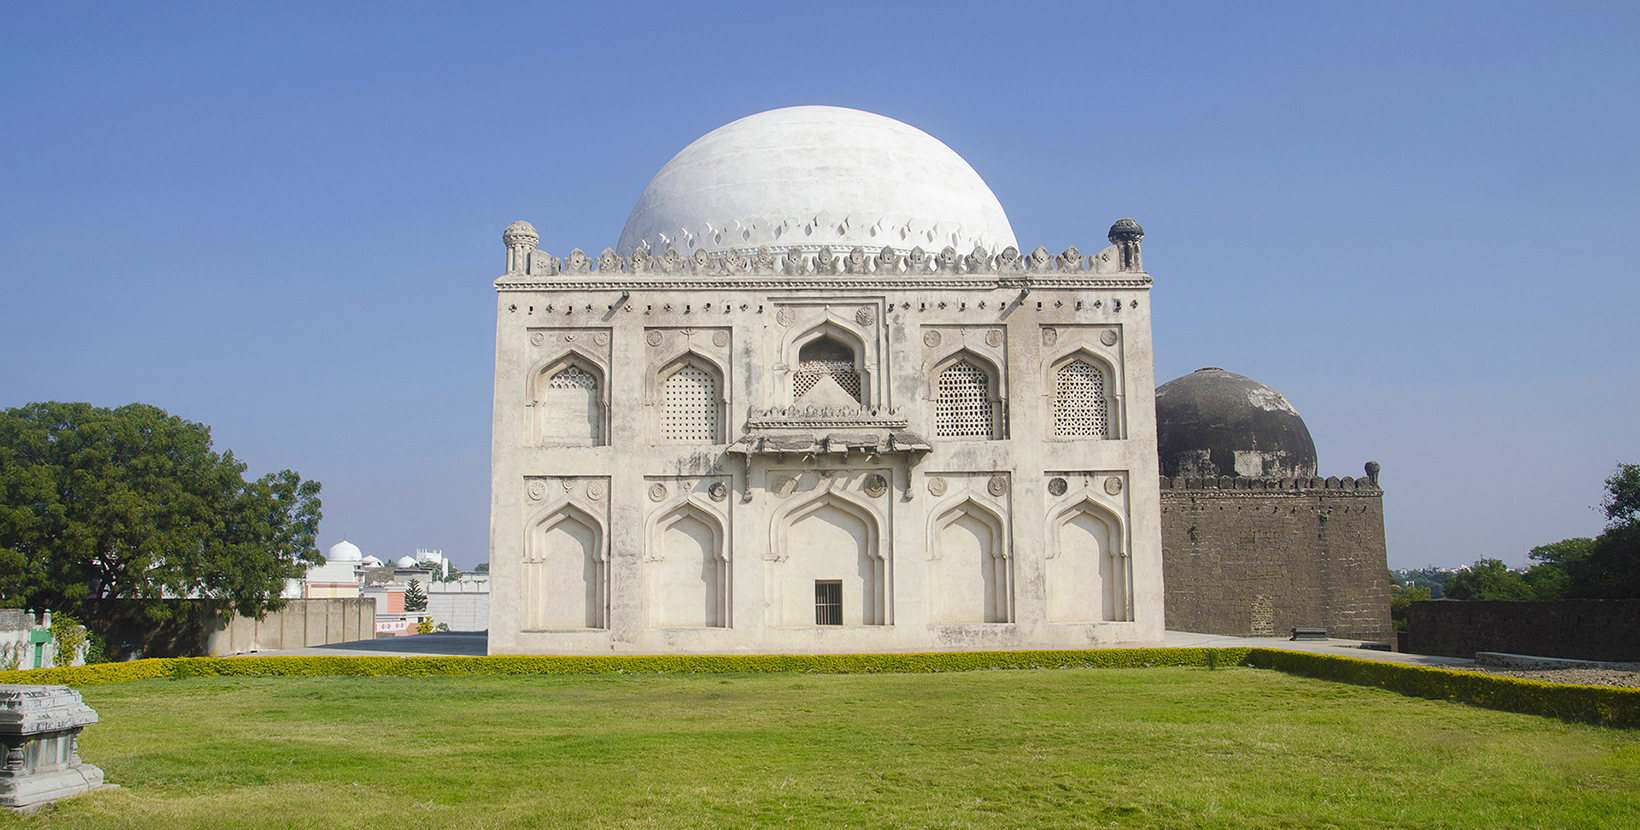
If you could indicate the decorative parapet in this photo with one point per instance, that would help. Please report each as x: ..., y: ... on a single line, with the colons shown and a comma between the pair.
x: 526, y: 264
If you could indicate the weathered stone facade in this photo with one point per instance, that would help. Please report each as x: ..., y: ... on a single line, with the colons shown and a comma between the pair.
x: 1259, y: 557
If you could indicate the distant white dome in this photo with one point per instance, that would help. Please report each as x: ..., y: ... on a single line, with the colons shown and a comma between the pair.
x: 812, y: 176
x: 372, y: 561
x: 405, y: 561
x: 344, y: 551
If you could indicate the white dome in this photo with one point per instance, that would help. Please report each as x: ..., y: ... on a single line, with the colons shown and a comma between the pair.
x: 372, y: 561
x: 405, y: 561
x: 812, y: 176
x: 344, y: 551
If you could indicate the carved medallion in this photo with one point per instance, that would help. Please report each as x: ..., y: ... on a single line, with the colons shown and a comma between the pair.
x: 569, y: 338
x: 1050, y: 337
x: 1108, y: 337
x: 993, y: 338
x: 537, y: 489
x: 657, y: 491
x: 653, y: 338
x: 936, y: 486
x: 718, y: 491
x: 997, y: 486
x: 866, y: 316
x: 1113, y: 485
x: 595, y: 490
x: 931, y: 338
x: 1057, y: 486
x: 537, y: 338
x: 720, y: 338
x: 785, y: 316
x: 601, y: 338
x: 876, y: 485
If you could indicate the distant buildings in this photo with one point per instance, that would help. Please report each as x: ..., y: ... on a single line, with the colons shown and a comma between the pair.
x: 462, y: 603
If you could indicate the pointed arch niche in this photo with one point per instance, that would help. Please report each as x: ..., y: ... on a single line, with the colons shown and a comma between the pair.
x: 686, y: 571
x: 1084, y: 397
x: 691, y: 400
x: 970, y: 569
x: 832, y: 351
x: 565, y: 573
x: 828, y: 538
x: 570, y: 399
x: 1087, y: 576
x: 969, y: 396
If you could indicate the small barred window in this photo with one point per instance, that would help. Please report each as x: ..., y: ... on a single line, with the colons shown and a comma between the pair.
x: 689, y: 406
x: 963, y: 409
x: 573, y: 377
x: 1079, y: 401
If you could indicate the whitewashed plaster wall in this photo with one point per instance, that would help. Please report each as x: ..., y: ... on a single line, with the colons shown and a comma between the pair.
x: 608, y: 538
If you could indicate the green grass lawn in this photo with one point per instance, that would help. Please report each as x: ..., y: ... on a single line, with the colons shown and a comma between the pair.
x: 1160, y: 747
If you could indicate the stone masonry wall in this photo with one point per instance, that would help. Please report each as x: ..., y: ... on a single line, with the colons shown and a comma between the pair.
x: 1259, y: 557
x: 1577, y: 629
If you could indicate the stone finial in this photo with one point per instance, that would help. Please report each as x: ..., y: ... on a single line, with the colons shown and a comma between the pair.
x: 855, y: 262
x: 947, y: 261
x: 977, y: 262
x: 1070, y: 260
x: 887, y: 261
x: 609, y: 262
x: 1125, y: 235
x: 1372, y: 472
x: 519, y: 237
x: 1039, y: 261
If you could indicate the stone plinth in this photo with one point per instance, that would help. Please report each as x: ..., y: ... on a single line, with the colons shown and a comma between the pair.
x: 40, y: 728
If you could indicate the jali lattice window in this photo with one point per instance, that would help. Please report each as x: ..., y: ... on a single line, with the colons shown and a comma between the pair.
x: 573, y: 377
x: 963, y: 409
x: 826, y: 358
x: 1079, y: 407
x: 689, y: 405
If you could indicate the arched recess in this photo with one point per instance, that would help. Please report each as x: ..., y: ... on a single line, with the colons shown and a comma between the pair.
x: 691, y: 400
x: 828, y: 538
x: 686, y: 570
x: 971, y: 566
x: 1088, y: 577
x: 1084, y: 397
x: 570, y: 398
x: 969, y: 397
x: 861, y: 354
x: 565, y: 573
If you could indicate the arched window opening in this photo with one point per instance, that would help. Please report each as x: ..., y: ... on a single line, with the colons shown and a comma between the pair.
x: 963, y: 408
x: 689, y: 406
x: 569, y: 406
x: 1079, y: 405
x: 825, y: 359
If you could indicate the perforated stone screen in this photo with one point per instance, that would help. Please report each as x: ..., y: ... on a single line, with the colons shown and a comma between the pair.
x: 963, y: 409
x: 689, y: 410
x: 809, y: 373
x: 1079, y: 401
x: 573, y: 377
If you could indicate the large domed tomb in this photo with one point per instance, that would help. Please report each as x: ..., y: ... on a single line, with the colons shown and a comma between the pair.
x: 816, y: 400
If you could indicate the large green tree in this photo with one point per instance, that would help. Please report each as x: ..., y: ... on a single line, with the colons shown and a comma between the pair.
x: 1611, y: 567
x: 132, y: 504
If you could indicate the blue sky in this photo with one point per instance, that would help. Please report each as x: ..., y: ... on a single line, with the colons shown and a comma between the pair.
x: 1420, y: 222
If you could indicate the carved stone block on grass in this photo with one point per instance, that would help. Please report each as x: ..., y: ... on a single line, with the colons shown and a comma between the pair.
x: 40, y: 729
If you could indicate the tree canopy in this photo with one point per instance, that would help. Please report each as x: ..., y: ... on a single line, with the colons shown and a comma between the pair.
x: 1605, y: 567
x: 131, y: 503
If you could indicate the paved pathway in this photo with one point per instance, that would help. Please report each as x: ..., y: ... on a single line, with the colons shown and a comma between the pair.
x: 477, y: 644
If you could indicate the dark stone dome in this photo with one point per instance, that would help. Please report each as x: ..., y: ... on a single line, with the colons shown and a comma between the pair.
x: 1217, y: 423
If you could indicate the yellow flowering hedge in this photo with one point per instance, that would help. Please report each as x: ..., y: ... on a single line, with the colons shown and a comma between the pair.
x: 1588, y: 704
x: 315, y: 665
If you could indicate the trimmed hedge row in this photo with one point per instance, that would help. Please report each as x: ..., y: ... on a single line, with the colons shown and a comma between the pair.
x: 286, y: 666
x: 1588, y: 704
x: 1603, y: 705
